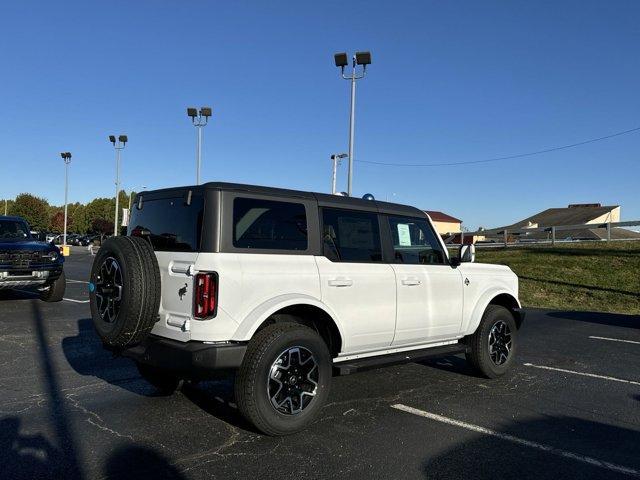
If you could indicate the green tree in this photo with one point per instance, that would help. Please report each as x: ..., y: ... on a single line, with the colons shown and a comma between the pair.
x: 54, y: 214
x: 33, y: 209
x: 77, y: 212
x: 102, y: 226
x: 57, y: 222
x: 99, y: 208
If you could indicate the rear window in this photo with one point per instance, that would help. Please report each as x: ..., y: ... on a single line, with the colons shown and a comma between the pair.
x: 269, y: 225
x: 170, y: 224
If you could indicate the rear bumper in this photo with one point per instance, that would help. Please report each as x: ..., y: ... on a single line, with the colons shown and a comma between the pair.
x: 194, y: 358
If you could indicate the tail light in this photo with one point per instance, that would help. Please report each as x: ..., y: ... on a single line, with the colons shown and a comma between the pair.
x: 205, y: 301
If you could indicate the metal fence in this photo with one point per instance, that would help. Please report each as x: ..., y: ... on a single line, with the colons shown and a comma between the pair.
x: 519, y: 238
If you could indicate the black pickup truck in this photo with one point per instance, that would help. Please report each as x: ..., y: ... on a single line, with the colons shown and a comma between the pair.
x: 26, y: 263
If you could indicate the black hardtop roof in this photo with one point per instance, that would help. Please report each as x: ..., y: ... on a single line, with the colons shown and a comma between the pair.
x: 11, y: 217
x: 323, y: 199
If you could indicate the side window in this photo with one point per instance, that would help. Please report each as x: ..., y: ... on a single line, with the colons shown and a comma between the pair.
x: 414, y: 242
x: 351, y: 236
x: 269, y: 225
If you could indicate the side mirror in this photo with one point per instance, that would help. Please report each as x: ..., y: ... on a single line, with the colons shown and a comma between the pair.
x: 467, y: 253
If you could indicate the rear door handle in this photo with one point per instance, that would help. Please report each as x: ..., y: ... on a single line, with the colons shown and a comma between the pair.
x: 181, y: 268
x: 411, y: 281
x: 340, y: 282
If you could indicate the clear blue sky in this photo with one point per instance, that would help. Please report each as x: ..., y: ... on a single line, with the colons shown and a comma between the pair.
x: 450, y: 81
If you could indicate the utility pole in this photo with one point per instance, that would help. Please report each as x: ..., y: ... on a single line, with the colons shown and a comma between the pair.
x: 336, y: 159
x: 341, y: 60
x: 66, y: 156
x: 199, y: 120
x: 118, y: 145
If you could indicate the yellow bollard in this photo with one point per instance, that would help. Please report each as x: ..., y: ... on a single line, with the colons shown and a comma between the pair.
x: 64, y: 249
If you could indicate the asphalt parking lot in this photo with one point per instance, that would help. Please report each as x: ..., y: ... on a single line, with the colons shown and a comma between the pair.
x: 569, y: 409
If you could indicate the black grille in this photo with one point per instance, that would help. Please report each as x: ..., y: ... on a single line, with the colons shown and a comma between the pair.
x: 20, y: 259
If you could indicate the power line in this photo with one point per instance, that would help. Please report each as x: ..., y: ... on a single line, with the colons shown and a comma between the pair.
x: 509, y: 157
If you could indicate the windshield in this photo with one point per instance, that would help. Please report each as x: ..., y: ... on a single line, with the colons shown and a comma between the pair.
x: 13, y: 230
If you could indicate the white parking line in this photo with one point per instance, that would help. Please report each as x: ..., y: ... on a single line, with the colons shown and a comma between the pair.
x: 592, y: 375
x: 67, y: 299
x: 75, y: 301
x: 69, y: 280
x: 615, y: 340
x: 520, y: 441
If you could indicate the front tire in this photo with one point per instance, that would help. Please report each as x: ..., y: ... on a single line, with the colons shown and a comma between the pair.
x: 284, y: 379
x: 493, y: 345
x: 56, y: 290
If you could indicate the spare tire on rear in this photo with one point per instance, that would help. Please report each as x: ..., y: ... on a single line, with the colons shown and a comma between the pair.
x: 124, y: 291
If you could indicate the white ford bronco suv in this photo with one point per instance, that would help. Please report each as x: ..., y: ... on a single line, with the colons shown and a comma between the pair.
x: 287, y: 289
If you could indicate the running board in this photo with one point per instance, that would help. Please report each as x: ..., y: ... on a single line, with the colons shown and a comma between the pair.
x: 367, y: 363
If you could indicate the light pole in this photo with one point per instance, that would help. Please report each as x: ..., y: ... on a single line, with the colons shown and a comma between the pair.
x: 199, y: 120
x: 66, y: 157
x: 336, y: 158
x: 342, y: 60
x: 118, y: 145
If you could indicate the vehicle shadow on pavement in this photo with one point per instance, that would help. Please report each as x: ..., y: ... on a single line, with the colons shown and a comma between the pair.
x: 135, y: 462
x: 217, y: 398
x: 8, y: 295
x: 558, y: 447
x: 85, y: 354
x: 613, y: 319
x: 453, y: 364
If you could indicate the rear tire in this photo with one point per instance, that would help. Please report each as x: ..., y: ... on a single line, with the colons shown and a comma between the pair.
x: 124, y: 291
x: 56, y: 290
x: 164, y: 381
x: 284, y: 379
x: 493, y: 345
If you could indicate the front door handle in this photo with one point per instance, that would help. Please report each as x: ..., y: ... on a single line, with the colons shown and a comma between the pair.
x: 340, y: 282
x: 411, y: 281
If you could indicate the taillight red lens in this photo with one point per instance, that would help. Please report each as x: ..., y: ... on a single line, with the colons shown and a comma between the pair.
x: 205, y: 300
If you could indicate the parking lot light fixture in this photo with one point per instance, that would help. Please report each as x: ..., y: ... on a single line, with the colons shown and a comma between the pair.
x: 66, y: 157
x: 199, y: 118
x: 118, y: 145
x: 341, y: 60
x: 336, y: 159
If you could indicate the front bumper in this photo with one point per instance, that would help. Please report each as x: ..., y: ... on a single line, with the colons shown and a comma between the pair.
x: 17, y: 279
x: 193, y: 358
